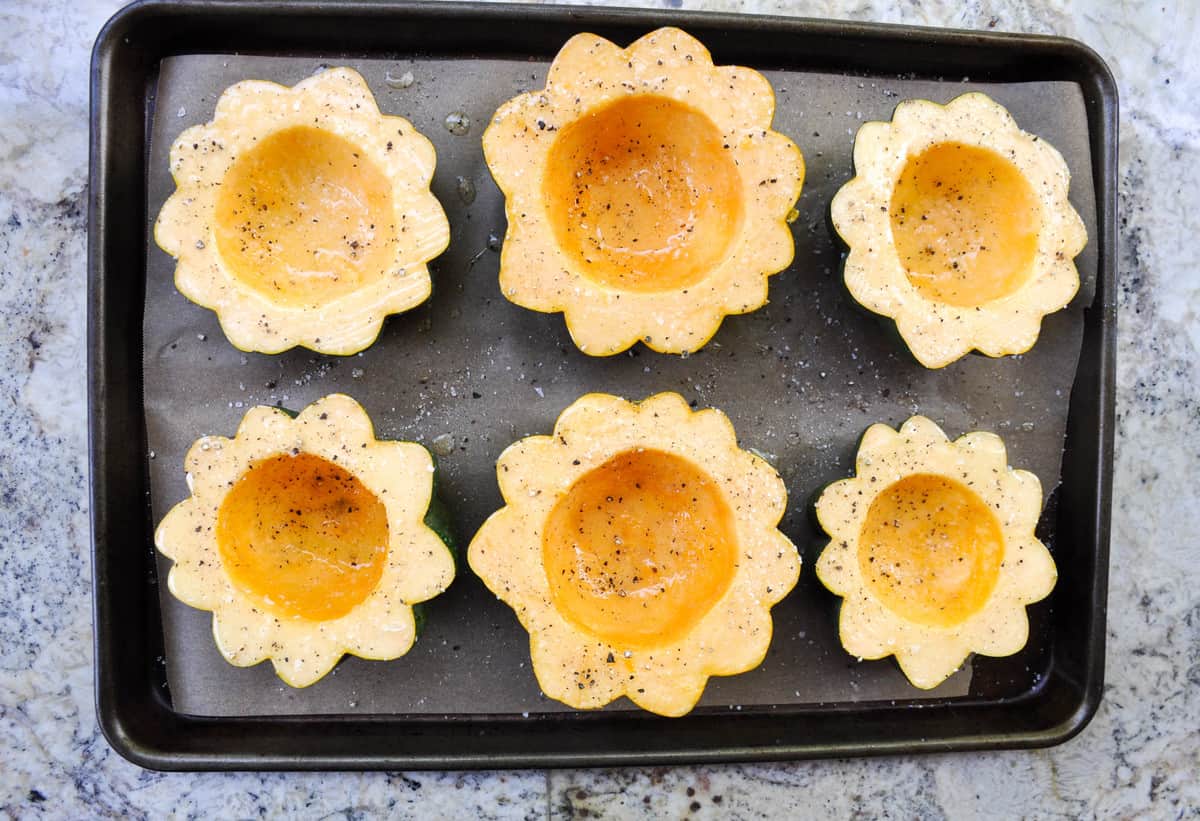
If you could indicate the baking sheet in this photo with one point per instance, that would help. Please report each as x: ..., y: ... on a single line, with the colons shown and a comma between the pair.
x: 468, y: 373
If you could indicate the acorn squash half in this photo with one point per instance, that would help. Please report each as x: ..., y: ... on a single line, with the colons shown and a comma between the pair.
x: 638, y: 546
x: 302, y: 215
x: 646, y: 194
x: 932, y: 549
x: 307, y: 538
x: 959, y: 228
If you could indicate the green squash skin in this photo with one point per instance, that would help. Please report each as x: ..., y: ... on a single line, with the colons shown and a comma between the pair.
x: 437, y: 519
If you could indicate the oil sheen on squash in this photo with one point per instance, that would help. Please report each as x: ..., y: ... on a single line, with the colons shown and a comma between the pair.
x: 639, y: 549
x: 643, y: 194
x: 303, y: 536
x: 305, y: 217
x: 965, y: 224
x: 931, y: 550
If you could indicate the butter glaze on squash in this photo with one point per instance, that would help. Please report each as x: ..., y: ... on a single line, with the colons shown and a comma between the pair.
x: 959, y: 228
x: 651, y: 200
x: 639, y: 547
x: 302, y: 535
x: 304, y: 219
x: 965, y: 224
x: 646, y: 194
x: 932, y: 549
x: 302, y: 215
x: 307, y: 538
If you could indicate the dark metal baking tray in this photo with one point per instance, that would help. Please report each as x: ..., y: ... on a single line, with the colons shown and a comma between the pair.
x: 1040, y: 697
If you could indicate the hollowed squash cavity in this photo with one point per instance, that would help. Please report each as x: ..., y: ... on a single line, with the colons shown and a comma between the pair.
x: 964, y: 222
x: 931, y: 550
x: 643, y: 194
x: 305, y: 217
x: 639, y: 549
x: 303, y: 536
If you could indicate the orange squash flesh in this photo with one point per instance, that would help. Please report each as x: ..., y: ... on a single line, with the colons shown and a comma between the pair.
x: 965, y: 224
x: 302, y: 536
x: 643, y: 194
x: 639, y: 549
x: 305, y: 217
x: 931, y: 550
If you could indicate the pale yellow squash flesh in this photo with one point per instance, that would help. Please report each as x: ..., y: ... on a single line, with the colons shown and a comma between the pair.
x: 646, y: 194
x: 307, y: 539
x: 932, y: 548
x: 959, y: 227
x: 639, y: 547
x: 302, y: 215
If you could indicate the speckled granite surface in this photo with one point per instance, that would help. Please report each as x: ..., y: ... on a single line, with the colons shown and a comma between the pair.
x: 1139, y: 756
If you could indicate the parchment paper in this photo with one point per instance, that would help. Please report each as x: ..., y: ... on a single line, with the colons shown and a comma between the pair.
x: 800, y: 379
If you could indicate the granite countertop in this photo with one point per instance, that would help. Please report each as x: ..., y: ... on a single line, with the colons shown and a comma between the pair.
x: 1140, y: 754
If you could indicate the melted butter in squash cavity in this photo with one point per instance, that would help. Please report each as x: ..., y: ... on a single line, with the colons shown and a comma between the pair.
x: 305, y: 217
x: 303, y: 536
x: 643, y: 194
x: 965, y: 224
x: 931, y: 550
x: 640, y: 549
